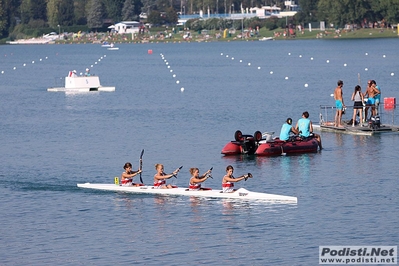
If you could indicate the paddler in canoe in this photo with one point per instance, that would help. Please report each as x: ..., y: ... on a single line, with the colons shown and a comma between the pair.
x: 229, y: 180
x: 196, y: 179
x: 127, y: 176
x: 160, y: 177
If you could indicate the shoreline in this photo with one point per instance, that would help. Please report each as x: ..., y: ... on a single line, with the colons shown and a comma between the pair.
x: 264, y: 35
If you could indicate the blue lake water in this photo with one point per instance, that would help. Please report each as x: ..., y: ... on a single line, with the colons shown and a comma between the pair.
x: 49, y: 142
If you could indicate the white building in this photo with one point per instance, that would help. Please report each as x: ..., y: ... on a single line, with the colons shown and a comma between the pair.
x: 127, y: 27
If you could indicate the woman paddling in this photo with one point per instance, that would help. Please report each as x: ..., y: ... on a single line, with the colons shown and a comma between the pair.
x: 229, y: 180
x: 127, y: 176
x: 196, y: 179
x: 160, y: 177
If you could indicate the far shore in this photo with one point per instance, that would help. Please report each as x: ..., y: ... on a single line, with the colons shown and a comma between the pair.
x: 171, y: 36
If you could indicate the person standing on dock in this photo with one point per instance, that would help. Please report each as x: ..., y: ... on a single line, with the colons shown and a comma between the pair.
x: 357, y: 97
x: 339, y: 103
x: 371, y: 94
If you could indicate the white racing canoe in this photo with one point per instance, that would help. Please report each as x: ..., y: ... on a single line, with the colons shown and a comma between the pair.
x: 241, y: 193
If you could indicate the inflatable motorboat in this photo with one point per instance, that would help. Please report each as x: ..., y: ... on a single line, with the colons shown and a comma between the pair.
x: 265, y: 145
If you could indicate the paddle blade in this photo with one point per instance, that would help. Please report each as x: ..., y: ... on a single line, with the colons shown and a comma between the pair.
x: 141, y: 165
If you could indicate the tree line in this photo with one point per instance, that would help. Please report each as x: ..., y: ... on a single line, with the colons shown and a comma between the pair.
x: 29, y: 16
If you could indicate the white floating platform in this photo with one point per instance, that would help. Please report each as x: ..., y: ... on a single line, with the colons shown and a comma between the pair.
x: 82, y: 84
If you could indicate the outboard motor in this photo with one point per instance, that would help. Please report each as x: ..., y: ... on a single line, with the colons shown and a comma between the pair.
x: 374, y: 122
x: 247, y: 142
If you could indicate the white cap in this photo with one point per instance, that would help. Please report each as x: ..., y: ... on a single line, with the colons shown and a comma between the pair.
x: 87, y: 69
x: 74, y: 71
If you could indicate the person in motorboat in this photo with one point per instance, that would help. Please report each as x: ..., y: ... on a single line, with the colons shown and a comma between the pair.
x: 339, y: 103
x: 357, y: 97
x: 229, y: 180
x: 87, y: 73
x: 127, y: 176
x: 196, y: 179
x: 286, y: 129
x: 160, y: 177
x: 305, y: 128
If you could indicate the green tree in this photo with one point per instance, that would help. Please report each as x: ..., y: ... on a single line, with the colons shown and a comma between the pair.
x: 26, y: 11
x: 66, y: 13
x: 309, y: 11
x: 3, y: 20
x: 94, y: 14
x: 171, y: 15
x: 390, y: 10
x: 155, y: 17
x: 80, y: 12
x: 128, y: 10
x: 113, y: 9
x: 39, y: 9
x: 52, y: 13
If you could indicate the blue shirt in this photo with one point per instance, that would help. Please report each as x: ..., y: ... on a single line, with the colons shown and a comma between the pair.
x: 285, y: 131
x: 304, y: 127
x: 378, y: 96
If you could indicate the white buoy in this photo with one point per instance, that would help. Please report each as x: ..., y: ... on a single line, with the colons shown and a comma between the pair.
x: 15, y: 68
x: 174, y: 75
x: 249, y: 64
x: 271, y: 72
x: 332, y: 94
x: 167, y: 63
x: 46, y: 57
x: 24, y: 64
x: 99, y: 60
x: 328, y: 61
x: 165, y: 60
x: 171, y: 70
x: 366, y: 53
x: 366, y: 69
x: 95, y: 63
x: 258, y: 67
x: 33, y: 62
x: 182, y: 89
x: 240, y: 61
x: 311, y: 58
x: 289, y: 53
x: 286, y: 77
x: 227, y: 55
x: 2, y: 72
x: 392, y: 74
x: 232, y: 58
x: 40, y: 59
x: 383, y: 56
x: 168, y: 66
x: 177, y: 82
x: 221, y: 53
x: 300, y: 56
x: 80, y: 74
x: 91, y: 65
x: 105, y: 55
x: 101, y: 57
x: 306, y: 85
x: 344, y: 64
